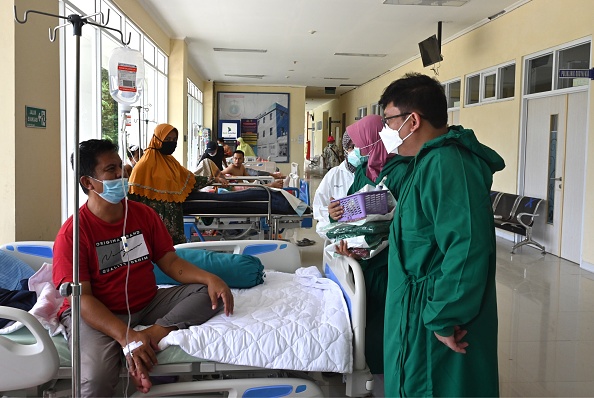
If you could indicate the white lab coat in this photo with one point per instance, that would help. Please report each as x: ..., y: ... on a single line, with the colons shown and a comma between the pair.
x: 335, y: 184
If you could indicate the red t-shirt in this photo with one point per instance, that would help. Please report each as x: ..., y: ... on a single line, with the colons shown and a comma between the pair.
x: 103, y: 262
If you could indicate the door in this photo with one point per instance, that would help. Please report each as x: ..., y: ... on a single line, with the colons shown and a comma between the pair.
x: 555, y: 155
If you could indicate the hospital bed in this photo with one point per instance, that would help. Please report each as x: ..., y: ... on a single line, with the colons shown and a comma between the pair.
x: 46, y: 362
x: 259, y: 211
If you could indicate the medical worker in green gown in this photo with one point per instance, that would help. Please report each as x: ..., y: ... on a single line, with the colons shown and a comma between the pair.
x: 375, y: 165
x: 441, y: 309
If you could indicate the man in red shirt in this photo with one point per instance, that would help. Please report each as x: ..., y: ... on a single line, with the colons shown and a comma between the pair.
x: 119, y: 240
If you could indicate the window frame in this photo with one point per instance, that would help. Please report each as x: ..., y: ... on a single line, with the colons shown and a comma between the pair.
x: 555, y: 52
x: 361, y: 112
x: 447, y: 90
x: 483, y: 75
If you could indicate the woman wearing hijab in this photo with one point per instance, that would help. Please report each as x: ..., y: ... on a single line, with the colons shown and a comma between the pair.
x: 379, y: 164
x: 159, y: 181
x: 245, y: 147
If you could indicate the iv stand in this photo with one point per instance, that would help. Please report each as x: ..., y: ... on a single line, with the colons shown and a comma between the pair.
x: 141, y: 109
x: 74, y: 288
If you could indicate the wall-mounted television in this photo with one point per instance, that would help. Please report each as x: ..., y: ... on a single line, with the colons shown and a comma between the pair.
x: 430, y: 51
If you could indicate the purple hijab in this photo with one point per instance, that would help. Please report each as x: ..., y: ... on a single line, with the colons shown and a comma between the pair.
x: 365, y: 136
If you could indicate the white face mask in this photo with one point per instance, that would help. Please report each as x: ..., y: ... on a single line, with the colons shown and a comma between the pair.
x: 391, y: 138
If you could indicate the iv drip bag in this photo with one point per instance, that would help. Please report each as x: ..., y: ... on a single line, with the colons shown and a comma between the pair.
x: 126, y: 75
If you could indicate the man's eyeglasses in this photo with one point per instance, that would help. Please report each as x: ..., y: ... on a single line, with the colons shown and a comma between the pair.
x: 385, y: 119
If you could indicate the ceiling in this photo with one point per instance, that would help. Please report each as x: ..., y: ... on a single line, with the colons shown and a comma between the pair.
x: 301, y: 37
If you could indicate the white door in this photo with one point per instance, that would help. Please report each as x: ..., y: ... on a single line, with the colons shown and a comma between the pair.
x: 555, y: 155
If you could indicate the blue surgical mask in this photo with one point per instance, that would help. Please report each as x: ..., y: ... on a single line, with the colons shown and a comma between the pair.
x: 355, y: 158
x: 113, y: 190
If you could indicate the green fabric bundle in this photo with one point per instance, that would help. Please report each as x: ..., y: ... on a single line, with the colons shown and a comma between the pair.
x: 374, y: 232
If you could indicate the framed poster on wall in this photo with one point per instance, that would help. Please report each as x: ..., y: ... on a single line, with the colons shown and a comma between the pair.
x: 263, y: 116
x: 228, y: 129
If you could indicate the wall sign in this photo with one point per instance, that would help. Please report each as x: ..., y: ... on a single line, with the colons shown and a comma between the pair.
x: 34, y: 117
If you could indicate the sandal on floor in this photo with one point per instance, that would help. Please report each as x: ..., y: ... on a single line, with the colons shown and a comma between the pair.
x: 305, y: 242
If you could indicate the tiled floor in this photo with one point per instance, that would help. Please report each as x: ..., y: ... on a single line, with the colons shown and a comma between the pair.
x: 546, y: 322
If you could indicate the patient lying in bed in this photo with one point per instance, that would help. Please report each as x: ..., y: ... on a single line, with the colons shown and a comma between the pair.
x: 237, y: 169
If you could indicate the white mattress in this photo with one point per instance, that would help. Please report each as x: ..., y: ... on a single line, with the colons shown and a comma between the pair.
x: 293, y: 321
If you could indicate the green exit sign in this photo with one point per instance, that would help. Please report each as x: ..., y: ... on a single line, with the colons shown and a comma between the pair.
x: 35, y: 117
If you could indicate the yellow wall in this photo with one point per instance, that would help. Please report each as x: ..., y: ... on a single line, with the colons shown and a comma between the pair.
x: 532, y: 27
x: 332, y: 108
x: 296, y: 112
x: 30, y: 171
x: 178, y: 96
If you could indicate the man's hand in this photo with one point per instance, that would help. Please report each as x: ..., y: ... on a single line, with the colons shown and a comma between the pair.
x: 276, y: 184
x: 141, y: 360
x: 223, y: 181
x: 454, y: 342
x: 335, y: 210
x: 343, y: 249
x: 217, y: 289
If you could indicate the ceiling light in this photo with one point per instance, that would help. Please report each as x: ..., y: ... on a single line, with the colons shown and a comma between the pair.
x: 443, y: 3
x: 360, y: 55
x: 239, y: 50
x: 492, y: 17
x: 247, y: 76
x: 336, y: 78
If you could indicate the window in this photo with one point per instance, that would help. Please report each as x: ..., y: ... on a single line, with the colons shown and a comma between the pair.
x: 376, y: 109
x: 543, y: 70
x: 491, y: 84
x: 540, y: 74
x: 507, y: 79
x: 197, y: 136
x: 473, y: 89
x: 100, y: 115
x: 577, y: 57
x: 452, y: 92
x: 361, y: 112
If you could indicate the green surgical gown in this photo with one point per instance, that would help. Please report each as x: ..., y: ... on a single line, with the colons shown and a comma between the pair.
x: 442, y: 272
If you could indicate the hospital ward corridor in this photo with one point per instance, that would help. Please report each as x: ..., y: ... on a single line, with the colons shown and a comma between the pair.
x: 264, y: 199
x: 546, y: 322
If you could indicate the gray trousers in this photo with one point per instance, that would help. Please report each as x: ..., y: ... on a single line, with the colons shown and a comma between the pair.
x: 102, y: 357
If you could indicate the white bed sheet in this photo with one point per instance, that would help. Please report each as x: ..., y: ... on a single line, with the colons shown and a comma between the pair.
x: 293, y: 321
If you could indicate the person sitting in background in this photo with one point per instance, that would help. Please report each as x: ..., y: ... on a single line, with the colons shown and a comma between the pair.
x: 118, y: 288
x: 238, y: 169
x: 160, y: 182
x: 214, y: 153
x: 133, y: 155
x: 244, y: 147
x: 226, y: 148
x: 335, y: 184
x: 330, y: 154
x: 207, y: 168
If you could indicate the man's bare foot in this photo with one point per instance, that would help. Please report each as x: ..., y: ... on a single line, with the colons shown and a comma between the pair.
x: 156, y: 333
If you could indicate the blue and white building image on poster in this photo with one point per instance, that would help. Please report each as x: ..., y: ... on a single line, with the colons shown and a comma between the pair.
x: 270, y: 111
x: 273, y: 133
